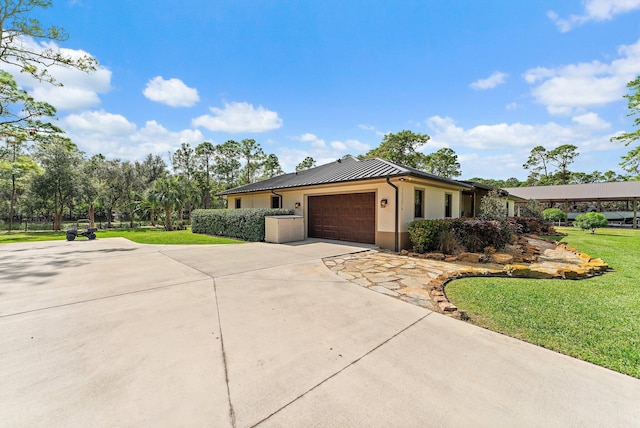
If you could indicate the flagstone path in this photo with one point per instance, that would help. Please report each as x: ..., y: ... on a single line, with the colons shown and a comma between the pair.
x: 421, y: 281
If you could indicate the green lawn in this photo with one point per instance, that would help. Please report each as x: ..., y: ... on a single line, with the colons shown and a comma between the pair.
x: 597, y: 319
x: 141, y: 236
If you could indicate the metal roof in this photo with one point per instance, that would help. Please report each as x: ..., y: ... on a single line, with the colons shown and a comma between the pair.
x: 624, y: 190
x: 340, y: 171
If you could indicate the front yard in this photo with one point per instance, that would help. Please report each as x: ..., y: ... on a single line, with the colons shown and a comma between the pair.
x: 597, y: 319
x: 141, y: 236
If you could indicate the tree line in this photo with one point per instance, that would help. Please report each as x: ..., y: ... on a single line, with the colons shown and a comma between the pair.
x: 43, y: 174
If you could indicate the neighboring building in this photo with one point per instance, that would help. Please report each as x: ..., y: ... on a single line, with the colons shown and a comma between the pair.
x: 370, y: 201
x: 590, y: 196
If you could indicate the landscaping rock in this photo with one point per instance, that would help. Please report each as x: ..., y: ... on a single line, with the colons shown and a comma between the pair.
x: 469, y: 257
x: 501, y: 258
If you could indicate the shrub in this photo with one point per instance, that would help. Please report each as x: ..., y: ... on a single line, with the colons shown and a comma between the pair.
x: 479, y: 234
x: 455, y: 235
x: 532, y: 209
x: 425, y: 234
x: 246, y: 224
x: 524, y: 225
x: 493, y: 206
x: 448, y: 243
x: 554, y: 214
x: 591, y: 221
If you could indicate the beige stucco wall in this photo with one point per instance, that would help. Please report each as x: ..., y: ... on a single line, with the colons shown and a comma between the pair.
x: 434, y: 202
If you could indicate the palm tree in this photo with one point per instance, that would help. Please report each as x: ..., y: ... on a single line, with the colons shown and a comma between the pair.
x: 166, y: 193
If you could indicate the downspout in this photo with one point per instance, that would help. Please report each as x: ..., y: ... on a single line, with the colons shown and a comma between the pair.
x: 397, y: 215
x: 280, y: 196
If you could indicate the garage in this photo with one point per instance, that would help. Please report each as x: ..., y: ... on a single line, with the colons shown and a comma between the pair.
x: 345, y: 217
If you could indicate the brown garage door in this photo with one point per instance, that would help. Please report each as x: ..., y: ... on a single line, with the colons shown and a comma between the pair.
x: 348, y: 217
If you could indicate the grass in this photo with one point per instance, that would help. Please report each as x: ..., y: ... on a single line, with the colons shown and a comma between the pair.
x: 596, y: 319
x: 141, y: 236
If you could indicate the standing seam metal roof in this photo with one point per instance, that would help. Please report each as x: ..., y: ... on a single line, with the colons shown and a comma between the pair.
x: 572, y: 192
x: 344, y: 170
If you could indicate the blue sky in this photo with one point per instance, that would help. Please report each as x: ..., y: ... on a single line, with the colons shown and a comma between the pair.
x: 489, y: 79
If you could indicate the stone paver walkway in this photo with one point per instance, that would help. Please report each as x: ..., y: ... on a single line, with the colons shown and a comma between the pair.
x: 420, y: 280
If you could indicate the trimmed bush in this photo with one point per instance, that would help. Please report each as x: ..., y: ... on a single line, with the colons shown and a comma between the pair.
x: 246, y: 224
x: 554, y: 214
x: 425, y: 234
x: 590, y: 221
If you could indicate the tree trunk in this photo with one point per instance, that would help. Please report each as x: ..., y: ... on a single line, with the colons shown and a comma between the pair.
x: 167, y: 221
x: 152, y: 215
x: 57, y: 221
x: 92, y: 215
x: 13, y: 199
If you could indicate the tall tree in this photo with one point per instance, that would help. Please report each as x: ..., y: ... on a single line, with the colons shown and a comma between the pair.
x: 271, y: 167
x: 631, y: 161
x: 227, y: 163
x: 562, y: 157
x: 184, y: 161
x: 401, y: 148
x: 634, y: 110
x: 17, y: 24
x: 57, y: 184
x: 538, y: 161
x: 16, y: 166
x: 306, y: 163
x: 253, y: 156
x: 444, y: 163
x: 152, y: 168
x: 206, y: 154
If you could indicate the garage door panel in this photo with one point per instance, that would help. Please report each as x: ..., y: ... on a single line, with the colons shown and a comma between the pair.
x: 346, y: 217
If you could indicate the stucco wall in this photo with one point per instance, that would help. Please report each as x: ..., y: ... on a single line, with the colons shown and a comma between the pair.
x: 434, y: 206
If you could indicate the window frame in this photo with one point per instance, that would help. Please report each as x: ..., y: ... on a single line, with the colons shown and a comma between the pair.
x: 238, y: 203
x: 279, y: 199
x: 418, y: 208
x: 448, y: 205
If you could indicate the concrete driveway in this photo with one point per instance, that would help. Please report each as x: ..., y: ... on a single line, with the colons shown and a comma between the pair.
x: 111, y: 333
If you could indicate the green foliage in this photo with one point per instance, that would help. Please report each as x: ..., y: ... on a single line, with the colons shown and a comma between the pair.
x: 401, y: 148
x: 493, y: 206
x: 444, y: 163
x: 17, y: 21
x: 425, y: 234
x: 634, y: 110
x: 540, y: 159
x: 554, y: 214
x: 591, y: 221
x: 306, y: 163
x: 246, y: 224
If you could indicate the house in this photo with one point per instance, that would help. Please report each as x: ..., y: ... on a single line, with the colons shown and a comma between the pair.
x: 360, y: 200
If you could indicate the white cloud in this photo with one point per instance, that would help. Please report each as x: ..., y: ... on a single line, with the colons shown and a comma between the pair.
x: 499, y: 150
x: 238, y: 117
x: 116, y: 137
x: 80, y: 90
x: 311, y: 138
x: 497, y: 78
x: 592, y: 121
x: 563, y: 89
x: 371, y: 128
x: 172, y: 92
x: 339, y: 145
x: 594, y: 10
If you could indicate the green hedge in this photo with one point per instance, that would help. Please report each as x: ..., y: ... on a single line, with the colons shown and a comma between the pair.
x: 246, y: 224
